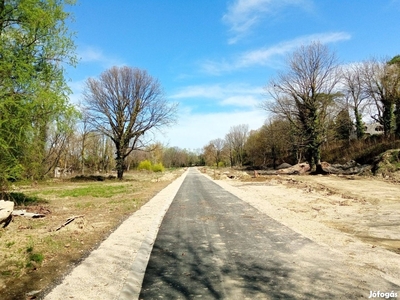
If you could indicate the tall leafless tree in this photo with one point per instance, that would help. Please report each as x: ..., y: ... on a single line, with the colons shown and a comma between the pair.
x: 381, y: 82
x: 235, y: 141
x: 355, y: 95
x: 303, y: 94
x: 125, y: 103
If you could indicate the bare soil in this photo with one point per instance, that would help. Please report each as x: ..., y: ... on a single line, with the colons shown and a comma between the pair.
x: 355, y: 215
x: 35, y: 253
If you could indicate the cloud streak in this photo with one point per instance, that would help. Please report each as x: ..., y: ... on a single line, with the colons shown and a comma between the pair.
x: 265, y: 56
x: 234, y: 95
x: 94, y: 55
x: 243, y: 15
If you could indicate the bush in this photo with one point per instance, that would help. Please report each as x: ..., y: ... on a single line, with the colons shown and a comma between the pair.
x: 145, y: 165
x: 158, y: 167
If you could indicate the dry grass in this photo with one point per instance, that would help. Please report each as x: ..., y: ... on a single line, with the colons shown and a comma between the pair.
x: 34, y: 254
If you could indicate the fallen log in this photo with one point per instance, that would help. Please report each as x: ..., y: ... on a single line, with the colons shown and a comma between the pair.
x: 69, y: 220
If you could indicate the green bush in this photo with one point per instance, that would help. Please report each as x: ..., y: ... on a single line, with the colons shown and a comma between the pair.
x: 145, y: 165
x: 158, y: 167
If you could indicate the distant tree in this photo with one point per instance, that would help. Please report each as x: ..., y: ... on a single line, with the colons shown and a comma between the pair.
x: 214, y: 151
x: 394, y: 70
x: 343, y: 125
x: 355, y: 95
x: 304, y: 93
x: 235, y: 141
x: 256, y: 147
x: 124, y: 104
x: 382, y: 81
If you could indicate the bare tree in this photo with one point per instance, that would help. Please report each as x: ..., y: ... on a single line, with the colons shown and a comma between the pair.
x: 355, y: 95
x: 304, y: 93
x: 235, y: 141
x: 381, y: 84
x: 215, y: 151
x: 124, y: 104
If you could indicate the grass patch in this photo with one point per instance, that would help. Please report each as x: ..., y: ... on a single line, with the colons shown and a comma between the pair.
x: 97, y: 191
x: 9, y: 244
x: 36, y: 257
x: 84, y: 205
x: 53, y: 244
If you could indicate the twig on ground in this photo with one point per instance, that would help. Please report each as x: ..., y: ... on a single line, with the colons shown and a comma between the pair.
x: 69, y: 220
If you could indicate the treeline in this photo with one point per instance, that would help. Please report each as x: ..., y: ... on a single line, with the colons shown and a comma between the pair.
x: 94, y: 153
x: 319, y: 109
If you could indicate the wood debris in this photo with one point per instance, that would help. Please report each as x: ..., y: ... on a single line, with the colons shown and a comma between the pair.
x: 69, y: 220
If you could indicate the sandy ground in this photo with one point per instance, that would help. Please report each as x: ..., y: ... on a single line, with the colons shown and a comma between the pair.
x: 359, y: 218
x: 355, y: 216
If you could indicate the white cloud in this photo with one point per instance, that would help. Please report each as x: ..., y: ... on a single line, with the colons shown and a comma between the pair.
x: 265, y: 56
x: 236, y: 95
x: 194, y: 131
x: 90, y: 54
x: 243, y: 15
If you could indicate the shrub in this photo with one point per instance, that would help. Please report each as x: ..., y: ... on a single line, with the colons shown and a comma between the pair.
x: 145, y: 165
x: 158, y: 167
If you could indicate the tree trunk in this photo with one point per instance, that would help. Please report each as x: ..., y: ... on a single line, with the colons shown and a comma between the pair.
x: 397, y: 118
x: 359, y: 124
x: 119, y: 165
x: 388, y: 114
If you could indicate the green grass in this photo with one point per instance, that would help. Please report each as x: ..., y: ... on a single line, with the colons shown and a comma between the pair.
x: 52, y: 244
x: 36, y: 257
x: 9, y: 244
x: 98, y: 191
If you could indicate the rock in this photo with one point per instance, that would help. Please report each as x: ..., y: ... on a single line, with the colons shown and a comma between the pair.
x: 283, y: 166
x: 6, y: 209
x: 349, y: 168
x: 296, y: 169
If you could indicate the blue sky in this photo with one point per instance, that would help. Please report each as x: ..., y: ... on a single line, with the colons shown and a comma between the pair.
x: 214, y: 57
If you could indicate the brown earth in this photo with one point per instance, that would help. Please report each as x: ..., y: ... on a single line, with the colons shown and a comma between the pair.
x: 36, y: 253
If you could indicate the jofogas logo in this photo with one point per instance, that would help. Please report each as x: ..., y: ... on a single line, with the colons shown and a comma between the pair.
x: 379, y: 294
